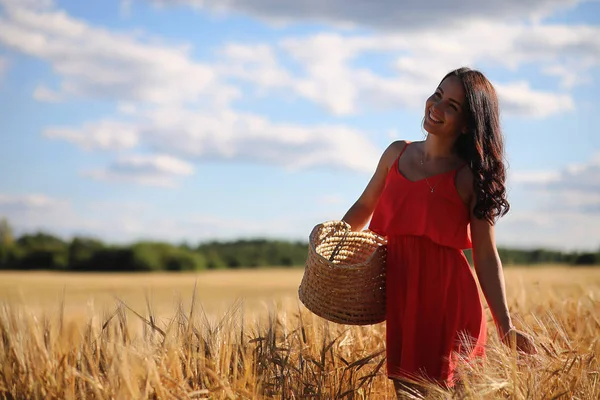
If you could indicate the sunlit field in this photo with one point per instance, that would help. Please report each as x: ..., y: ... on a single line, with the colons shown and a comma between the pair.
x: 243, y: 335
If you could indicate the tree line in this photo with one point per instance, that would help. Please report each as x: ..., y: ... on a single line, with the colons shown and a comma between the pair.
x: 46, y: 251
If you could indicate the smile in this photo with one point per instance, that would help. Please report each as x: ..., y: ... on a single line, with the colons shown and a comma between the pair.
x: 433, y: 119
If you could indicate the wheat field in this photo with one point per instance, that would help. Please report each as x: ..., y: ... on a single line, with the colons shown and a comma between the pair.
x: 244, y: 335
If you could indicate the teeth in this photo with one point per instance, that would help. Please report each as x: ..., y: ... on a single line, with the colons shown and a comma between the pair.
x: 433, y: 119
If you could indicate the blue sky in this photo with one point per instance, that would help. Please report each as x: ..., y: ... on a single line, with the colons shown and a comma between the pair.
x: 191, y: 120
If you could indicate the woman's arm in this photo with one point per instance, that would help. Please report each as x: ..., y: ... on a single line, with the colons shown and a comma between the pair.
x: 361, y: 211
x: 489, y: 272
x: 491, y: 279
x: 489, y: 269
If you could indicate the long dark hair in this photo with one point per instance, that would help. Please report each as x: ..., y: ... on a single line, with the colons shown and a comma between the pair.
x: 482, y: 146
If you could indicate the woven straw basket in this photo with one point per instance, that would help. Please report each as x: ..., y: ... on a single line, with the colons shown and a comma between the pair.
x: 344, y: 278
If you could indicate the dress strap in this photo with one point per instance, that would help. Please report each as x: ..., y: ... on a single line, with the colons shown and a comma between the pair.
x: 404, y: 148
x: 397, y: 160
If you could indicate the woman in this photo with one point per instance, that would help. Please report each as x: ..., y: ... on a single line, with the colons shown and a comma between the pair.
x: 432, y: 199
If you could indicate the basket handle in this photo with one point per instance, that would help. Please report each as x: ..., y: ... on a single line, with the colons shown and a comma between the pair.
x: 338, y: 246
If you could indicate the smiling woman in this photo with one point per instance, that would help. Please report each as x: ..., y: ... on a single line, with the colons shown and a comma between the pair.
x: 431, y: 200
x: 479, y: 142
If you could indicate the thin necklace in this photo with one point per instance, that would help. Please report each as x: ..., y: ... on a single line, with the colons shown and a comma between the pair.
x: 427, y: 180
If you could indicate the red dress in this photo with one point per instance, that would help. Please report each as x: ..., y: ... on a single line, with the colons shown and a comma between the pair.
x: 432, y: 295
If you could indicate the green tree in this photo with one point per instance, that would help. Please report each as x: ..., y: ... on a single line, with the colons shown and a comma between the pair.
x: 153, y: 256
x: 41, y: 251
x: 6, y: 244
x: 6, y: 233
x: 586, y: 259
x: 82, y: 251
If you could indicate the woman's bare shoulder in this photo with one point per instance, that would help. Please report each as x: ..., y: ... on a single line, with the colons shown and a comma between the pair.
x: 392, y: 152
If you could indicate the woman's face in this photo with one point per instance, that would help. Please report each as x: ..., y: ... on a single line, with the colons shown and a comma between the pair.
x: 445, y: 109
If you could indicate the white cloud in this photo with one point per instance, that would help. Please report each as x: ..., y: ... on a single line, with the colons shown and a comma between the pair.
x: 422, y: 58
x: 247, y: 137
x: 30, y: 4
x: 94, y: 62
x: 383, y: 14
x: 104, y: 135
x: 574, y: 188
x: 562, y: 208
x: 42, y: 93
x: 535, y: 177
x: 563, y: 230
x: 130, y: 68
x: 582, y: 178
x: 34, y: 211
x: 161, y: 88
x: 569, y: 76
x: 34, y: 201
x: 161, y: 164
x: 149, y: 170
x: 126, y: 206
x: 519, y: 99
x: 97, y: 63
x: 127, y: 108
x: 212, y: 227
x: 124, y: 221
x: 229, y: 135
x: 254, y: 62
